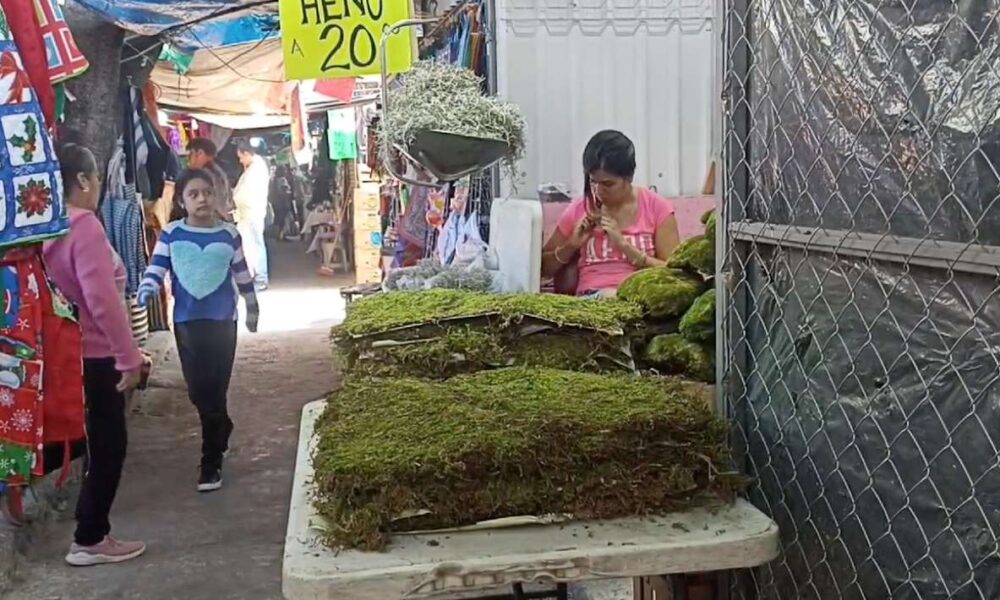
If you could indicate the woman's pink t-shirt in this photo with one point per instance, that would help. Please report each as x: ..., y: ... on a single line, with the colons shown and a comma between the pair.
x: 602, y: 265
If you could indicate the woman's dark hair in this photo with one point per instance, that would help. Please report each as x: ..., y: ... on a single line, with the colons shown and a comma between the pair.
x: 609, y: 151
x: 183, y: 181
x: 73, y: 160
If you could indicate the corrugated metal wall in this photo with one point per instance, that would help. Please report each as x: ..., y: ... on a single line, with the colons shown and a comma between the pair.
x: 644, y: 67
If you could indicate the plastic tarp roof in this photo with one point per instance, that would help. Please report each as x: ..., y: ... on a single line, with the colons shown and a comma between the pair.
x: 237, y: 80
x: 193, y: 24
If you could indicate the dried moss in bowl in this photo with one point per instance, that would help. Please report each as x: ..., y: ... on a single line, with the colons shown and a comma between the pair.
x: 513, y: 442
x: 449, y: 98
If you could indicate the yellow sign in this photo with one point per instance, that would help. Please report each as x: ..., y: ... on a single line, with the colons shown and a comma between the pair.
x: 331, y: 39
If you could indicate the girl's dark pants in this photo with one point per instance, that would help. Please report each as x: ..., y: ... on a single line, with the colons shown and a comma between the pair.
x: 207, y: 350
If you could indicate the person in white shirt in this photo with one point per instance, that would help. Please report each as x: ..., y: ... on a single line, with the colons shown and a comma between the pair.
x: 250, y: 197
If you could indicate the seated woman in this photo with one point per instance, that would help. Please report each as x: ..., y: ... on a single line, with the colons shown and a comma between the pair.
x: 617, y: 228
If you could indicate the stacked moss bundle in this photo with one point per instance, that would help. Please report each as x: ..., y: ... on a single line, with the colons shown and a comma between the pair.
x: 679, y: 307
x: 480, y: 446
x: 439, y: 333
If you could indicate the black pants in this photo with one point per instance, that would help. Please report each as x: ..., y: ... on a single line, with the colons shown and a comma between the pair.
x: 107, y: 441
x: 207, y: 350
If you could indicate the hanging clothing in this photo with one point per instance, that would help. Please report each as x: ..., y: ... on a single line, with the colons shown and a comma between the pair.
x: 152, y: 107
x: 31, y: 181
x: 123, y: 224
x: 123, y: 220
x: 38, y: 329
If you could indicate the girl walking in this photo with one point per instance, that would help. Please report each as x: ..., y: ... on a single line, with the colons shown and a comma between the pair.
x: 204, y: 257
x: 85, y: 268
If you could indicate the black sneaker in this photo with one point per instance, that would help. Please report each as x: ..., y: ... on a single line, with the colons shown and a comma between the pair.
x: 210, y: 479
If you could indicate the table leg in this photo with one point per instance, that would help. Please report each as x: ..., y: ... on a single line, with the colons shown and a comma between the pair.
x: 678, y: 587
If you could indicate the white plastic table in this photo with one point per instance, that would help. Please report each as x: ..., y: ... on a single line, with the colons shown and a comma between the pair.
x: 447, y: 566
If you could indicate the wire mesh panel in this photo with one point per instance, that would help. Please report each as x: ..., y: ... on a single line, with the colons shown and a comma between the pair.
x: 861, y: 337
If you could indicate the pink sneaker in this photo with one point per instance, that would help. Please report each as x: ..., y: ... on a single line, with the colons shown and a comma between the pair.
x: 108, y: 551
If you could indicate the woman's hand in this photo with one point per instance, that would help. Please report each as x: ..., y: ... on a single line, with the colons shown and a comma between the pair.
x: 129, y: 380
x: 614, y: 233
x: 581, y: 233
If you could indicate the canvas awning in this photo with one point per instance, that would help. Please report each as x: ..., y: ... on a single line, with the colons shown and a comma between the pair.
x: 236, y: 80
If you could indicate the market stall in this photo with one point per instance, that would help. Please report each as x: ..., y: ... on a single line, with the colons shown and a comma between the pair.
x: 484, y: 439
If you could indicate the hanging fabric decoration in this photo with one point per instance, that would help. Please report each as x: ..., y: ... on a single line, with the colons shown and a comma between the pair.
x: 64, y: 57
x: 31, y: 192
x: 38, y: 328
x: 338, y: 89
x: 27, y: 34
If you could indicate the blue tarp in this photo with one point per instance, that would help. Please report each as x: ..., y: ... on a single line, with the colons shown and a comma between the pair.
x: 152, y: 17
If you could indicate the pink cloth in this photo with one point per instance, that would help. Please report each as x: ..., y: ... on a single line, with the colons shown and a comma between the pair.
x: 689, y: 210
x: 86, y: 269
x: 601, y: 265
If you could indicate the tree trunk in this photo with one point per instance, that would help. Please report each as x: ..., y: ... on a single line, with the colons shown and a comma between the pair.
x: 93, y: 118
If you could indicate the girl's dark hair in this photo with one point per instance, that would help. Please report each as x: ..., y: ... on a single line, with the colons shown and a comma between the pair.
x: 183, y: 181
x: 73, y: 160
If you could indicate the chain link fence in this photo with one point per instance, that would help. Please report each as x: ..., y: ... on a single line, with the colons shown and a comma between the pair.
x: 861, y: 337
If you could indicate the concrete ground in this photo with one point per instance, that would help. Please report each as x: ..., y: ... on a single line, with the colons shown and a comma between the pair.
x: 225, y: 545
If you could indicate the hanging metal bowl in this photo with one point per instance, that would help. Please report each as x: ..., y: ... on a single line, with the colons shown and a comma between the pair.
x: 450, y: 157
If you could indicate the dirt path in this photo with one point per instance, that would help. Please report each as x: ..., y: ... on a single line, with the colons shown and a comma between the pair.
x: 226, y: 545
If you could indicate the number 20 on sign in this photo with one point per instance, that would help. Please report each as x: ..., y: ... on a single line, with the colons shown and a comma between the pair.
x: 330, y: 39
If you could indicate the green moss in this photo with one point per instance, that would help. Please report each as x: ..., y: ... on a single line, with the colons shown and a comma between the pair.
x: 663, y: 293
x: 710, y: 220
x: 554, y: 351
x: 383, y: 312
x: 675, y: 355
x: 696, y: 255
x: 698, y: 323
x: 455, y: 350
x: 513, y: 442
x: 463, y: 349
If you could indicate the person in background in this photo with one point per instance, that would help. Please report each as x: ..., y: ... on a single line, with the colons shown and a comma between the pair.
x: 86, y: 269
x: 204, y: 257
x: 201, y: 155
x: 617, y: 228
x: 281, y: 202
x: 250, y: 197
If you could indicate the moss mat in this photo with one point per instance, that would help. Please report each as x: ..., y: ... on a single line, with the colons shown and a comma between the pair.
x: 513, y: 442
x: 383, y: 312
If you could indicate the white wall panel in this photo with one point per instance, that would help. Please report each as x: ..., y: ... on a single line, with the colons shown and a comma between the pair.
x: 644, y: 67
